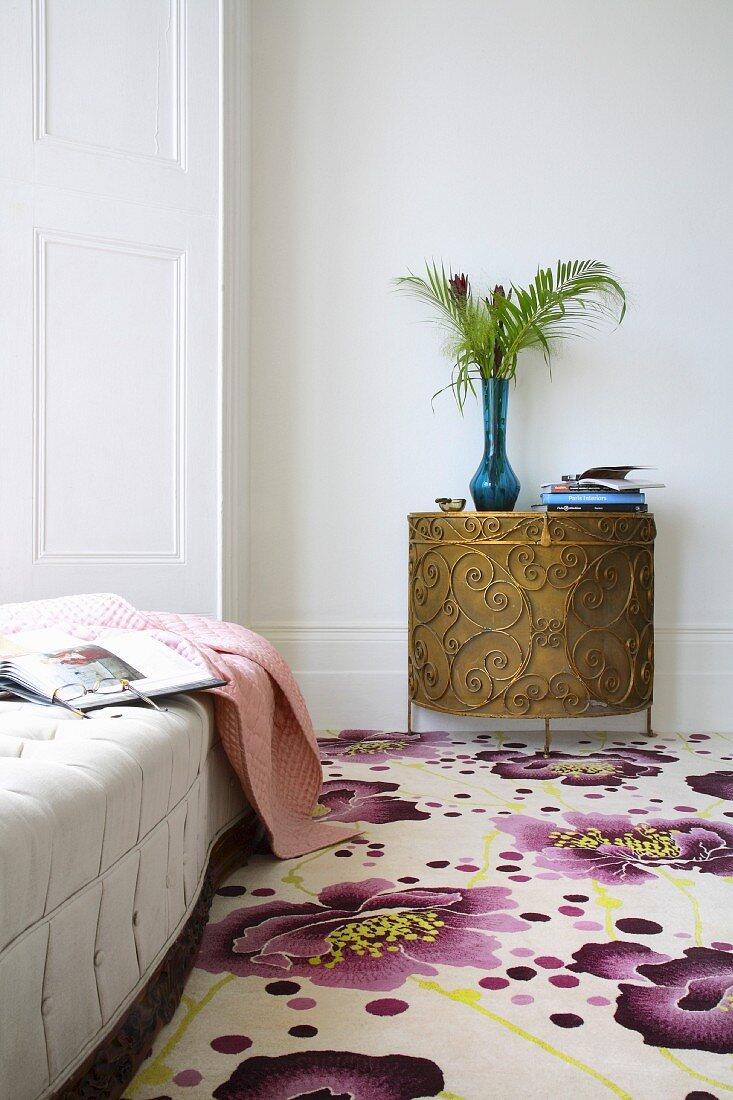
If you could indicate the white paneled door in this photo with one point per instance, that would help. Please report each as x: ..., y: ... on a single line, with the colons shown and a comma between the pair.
x: 109, y: 301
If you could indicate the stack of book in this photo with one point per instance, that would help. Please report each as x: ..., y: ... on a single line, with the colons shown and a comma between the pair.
x: 600, y: 489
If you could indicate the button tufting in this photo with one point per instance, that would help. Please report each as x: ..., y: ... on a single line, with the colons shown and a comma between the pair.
x: 46, y: 1006
x: 136, y: 918
x: 98, y: 958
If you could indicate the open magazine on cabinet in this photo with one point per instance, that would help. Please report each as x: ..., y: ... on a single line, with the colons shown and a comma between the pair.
x: 51, y: 666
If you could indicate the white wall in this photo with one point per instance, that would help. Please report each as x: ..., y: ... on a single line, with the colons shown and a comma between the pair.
x: 494, y: 135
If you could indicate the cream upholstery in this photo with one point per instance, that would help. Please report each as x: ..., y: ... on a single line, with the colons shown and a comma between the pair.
x: 105, y: 829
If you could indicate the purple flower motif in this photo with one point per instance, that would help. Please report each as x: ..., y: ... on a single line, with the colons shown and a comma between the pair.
x: 716, y: 784
x: 593, y: 769
x: 355, y: 800
x: 362, y: 935
x: 374, y: 746
x: 614, y: 960
x: 332, y: 1075
x: 685, y: 1004
x: 615, y: 849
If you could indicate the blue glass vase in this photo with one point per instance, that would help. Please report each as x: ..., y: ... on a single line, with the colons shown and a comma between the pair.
x: 495, y: 486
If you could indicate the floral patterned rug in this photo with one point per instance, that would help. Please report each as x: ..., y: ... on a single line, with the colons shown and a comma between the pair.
x: 505, y: 926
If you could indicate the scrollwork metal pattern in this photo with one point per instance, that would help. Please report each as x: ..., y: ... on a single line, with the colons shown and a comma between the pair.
x: 516, y: 615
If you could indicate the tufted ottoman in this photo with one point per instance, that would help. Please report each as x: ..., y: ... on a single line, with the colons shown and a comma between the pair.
x: 106, y: 830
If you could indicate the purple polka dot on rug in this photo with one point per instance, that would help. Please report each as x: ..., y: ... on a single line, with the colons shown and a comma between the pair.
x: 437, y: 863
x: 722, y: 945
x: 386, y: 1006
x: 638, y: 926
x: 686, y: 809
x: 522, y: 999
x: 575, y: 897
x: 505, y: 868
x: 301, y: 1004
x: 231, y: 891
x: 282, y: 989
x: 408, y: 879
x: 230, y: 1044
x: 452, y: 813
x: 520, y: 878
x: 697, y: 1095
x: 466, y: 867
x: 592, y: 794
x: 564, y: 981
x: 549, y: 962
x: 598, y: 1001
x: 522, y: 973
x: 343, y: 853
x: 570, y: 911
x: 188, y: 1078
x: 522, y: 952
x: 478, y: 810
x: 550, y: 809
x: 566, y: 1019
x: 262, y: 892
x: 587, y: 926
x: 493, y: 983
x: 302, y: 1031
x: 515, y: 856
x: 377, y: 847
x: 534, y: 916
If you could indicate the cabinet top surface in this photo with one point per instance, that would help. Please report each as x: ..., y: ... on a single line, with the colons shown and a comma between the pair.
x: 543, y: 528
x: 521, y: 515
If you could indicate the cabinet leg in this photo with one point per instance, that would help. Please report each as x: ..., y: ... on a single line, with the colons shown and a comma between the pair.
x: 409, y: 715
x: 547, y: 736
x: 649, y: 730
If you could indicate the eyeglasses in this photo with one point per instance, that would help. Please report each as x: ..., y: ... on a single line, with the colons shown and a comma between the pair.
x: 68, y: 694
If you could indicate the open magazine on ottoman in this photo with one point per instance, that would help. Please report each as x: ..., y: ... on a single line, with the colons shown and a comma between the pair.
x: 51, y: 666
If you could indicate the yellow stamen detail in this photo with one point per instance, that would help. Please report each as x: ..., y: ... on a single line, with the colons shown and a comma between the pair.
x: 644, y: 842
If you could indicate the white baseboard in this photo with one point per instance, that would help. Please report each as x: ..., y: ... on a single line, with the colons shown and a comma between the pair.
x: 354, y: 676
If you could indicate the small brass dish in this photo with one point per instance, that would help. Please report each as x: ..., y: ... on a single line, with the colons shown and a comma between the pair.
x: 451, y: 504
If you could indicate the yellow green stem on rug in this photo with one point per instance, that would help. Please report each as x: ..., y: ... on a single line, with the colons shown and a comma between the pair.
x: 292, y: 878
x: 693, y: 1073
x: 157, y: 1072
x: 471, y: 997
x: 608, y: 904
x: 483, y: 870
x: 681, y: 885
x: 516, y: 807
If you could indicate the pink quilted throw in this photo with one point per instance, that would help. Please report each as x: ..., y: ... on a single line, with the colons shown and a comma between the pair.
x: 261, y: 716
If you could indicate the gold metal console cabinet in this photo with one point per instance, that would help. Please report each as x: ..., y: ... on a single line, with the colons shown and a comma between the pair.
x: 527, y: 615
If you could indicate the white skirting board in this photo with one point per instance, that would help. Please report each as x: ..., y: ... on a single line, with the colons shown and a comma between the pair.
x: 354, y: 676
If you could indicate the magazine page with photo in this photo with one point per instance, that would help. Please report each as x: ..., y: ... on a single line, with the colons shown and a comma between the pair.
x: 50, y: 666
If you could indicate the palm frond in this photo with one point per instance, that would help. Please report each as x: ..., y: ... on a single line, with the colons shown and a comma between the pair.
x: 485, y: 335
x: 435, y: 291
x: 579, y: 295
